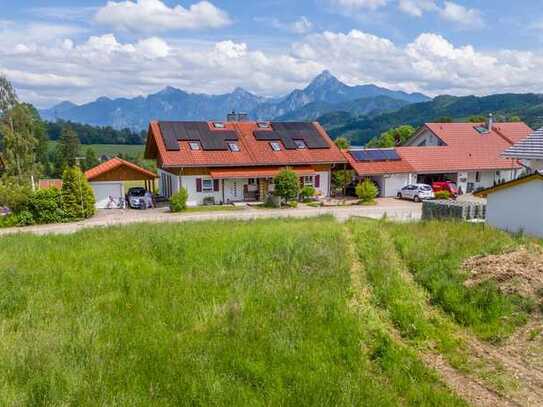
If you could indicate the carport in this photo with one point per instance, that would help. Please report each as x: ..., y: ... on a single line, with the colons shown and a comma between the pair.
x: 107, y: 179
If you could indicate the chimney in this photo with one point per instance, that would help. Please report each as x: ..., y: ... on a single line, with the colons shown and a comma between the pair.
x: 490, y: 122
x: 237, y: 117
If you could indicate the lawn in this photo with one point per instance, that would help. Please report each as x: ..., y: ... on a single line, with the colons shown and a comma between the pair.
x: 266, y: 312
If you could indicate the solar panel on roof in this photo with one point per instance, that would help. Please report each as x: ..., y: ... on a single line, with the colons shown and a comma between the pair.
x: 288, y: 132
x: 391, y: 155
x: 173, y: 132
x: 375, y: 155
x: 360, y: 155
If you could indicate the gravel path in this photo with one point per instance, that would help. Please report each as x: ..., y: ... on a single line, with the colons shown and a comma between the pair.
x: 397, y: 210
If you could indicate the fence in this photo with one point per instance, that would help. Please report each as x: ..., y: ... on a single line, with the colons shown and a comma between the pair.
x: 446, y: 209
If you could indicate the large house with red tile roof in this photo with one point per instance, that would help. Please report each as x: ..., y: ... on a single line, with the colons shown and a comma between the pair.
x: 235, y: 161
x: 465, y: 153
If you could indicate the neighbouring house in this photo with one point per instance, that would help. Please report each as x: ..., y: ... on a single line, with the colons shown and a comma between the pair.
x: 50, y: 183
x: 467, y: 154
x: 515, y: 206
x: 236, y: 161
x: 108, y: 180
x: 529, y: 151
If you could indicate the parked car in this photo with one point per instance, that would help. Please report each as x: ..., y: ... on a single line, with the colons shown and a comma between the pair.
x: 138, y: 198
x: 416, y: 192
x: 446, y: 186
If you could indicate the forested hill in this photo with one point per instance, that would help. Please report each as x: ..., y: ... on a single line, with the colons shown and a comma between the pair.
x: 527, y: 107
x: 96, y: 135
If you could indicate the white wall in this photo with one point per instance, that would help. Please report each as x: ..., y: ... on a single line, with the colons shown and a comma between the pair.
x: 426, y: 138
x: 233, y: 188
x: 394, y: 183
x: 517, y: 208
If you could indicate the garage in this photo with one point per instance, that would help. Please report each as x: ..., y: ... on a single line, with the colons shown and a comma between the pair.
x: 108, y: 181
x: 106, y: 192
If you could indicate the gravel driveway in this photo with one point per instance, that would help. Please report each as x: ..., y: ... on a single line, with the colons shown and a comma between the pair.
x: 394, y: 209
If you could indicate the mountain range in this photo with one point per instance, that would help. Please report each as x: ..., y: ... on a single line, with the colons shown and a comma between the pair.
x: 325, y: 94
x: 360, y: 129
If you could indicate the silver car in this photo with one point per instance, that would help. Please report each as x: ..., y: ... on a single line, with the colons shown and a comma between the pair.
x: 416, y: 192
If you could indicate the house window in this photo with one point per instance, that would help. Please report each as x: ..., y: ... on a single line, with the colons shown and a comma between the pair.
x: 477, y: 176
x: 275, y: 146
x: 263, y: 125
x: 234, y: 147
x: 207, y: 185
x: 300, y: 144
x: 194, y: 145
x: 251, y: 181
x: 308, y: 180
x: 219, y: 125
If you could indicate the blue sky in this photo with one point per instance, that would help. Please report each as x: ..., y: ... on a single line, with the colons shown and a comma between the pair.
x: 80, y: 50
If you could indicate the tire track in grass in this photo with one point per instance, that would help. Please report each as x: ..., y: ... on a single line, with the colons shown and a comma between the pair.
x: 470, y: 389
x: 361, y: 301
x: 506, y: 357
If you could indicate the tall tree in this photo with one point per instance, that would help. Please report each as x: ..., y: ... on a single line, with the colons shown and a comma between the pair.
x: 342, y: 143
x: 20, y: 129
x: 91, y: 158
x: 68, y: 149
x: 393, y: 137
x: 8, y: 97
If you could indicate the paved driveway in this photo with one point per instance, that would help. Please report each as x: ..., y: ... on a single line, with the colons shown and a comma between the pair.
x: 394, y: 209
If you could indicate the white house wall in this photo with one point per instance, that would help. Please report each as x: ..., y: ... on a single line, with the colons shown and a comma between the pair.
x: 393, y: 183
x: 233, y: 188
x: 517, y: 208
x: 425, y: 139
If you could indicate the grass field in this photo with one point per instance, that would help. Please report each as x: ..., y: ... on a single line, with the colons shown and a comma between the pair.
x: 110, y: 149
x: 275, y: 312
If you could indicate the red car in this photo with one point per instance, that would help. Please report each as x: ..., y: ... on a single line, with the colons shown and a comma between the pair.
x: 446, y: 186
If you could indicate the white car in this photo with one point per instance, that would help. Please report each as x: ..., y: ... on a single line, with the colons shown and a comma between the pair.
x: 416, y: 192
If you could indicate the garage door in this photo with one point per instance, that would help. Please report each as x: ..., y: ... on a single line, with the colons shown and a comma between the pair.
x: 102, y: 192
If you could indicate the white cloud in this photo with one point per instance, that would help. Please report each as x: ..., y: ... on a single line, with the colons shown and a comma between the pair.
x: 104, y: 65
x: 301, y: 26
x: 154, y: 15
x: 417, y: 8
x: 466, y: 17
x: 360, y: 4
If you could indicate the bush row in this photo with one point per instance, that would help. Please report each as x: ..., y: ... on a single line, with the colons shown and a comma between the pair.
x: 74, y: 201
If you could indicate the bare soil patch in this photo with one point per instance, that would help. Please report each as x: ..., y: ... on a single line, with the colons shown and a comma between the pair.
x: 518, y: 272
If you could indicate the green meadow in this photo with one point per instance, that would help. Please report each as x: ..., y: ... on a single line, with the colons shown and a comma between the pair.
x: 270, y: 312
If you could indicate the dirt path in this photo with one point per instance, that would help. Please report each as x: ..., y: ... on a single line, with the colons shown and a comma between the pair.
x: 470, y: 389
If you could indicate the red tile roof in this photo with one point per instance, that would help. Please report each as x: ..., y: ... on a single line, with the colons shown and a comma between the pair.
x: 378, y: 167
x: 256, y: 172
x: 115, y: 163
x: 465, y: 150
x: 252, y: 152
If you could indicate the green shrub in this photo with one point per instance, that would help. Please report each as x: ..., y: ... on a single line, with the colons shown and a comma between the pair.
x: 307, y: 193
x: 287, y: 185
x: 178, y: 201
x: 77, y: 196
x: 443, y: 195
x: 366, y: 191
x: 14, y: 196
x: 25, y: 218
x: 8, y: 221
x: 292, y: 204
x: 45, y: 206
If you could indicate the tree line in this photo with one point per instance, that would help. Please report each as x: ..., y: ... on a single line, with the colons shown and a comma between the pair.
x: 95, y: 135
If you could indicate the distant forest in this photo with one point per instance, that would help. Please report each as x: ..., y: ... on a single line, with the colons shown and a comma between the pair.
x: 96, y: 135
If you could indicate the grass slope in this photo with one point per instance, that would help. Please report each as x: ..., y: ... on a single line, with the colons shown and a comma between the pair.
x: 275, y: 312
